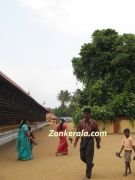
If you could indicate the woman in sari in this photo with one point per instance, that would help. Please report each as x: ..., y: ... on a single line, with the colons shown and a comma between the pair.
x: 62, y: 148
x: 23, y: 142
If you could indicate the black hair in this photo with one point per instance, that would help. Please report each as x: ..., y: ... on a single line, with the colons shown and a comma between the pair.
x: 61, y: 124
x: 29, y: 128
x: 24, y: 121
x: 127, y: 130
x: 87, y: 110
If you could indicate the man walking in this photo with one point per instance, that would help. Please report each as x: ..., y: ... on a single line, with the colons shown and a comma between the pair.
x: 87, y: 143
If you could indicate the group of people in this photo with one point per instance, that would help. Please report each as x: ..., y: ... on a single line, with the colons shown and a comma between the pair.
x: 25, y: 141
x: 87, y: 143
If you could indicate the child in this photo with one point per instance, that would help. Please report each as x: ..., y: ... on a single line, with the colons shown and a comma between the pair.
x: 31, y: 138
x: 127, y: 145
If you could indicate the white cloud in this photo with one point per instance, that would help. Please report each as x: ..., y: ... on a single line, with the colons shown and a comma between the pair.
x: 39, y: 61
x: 83, y: 16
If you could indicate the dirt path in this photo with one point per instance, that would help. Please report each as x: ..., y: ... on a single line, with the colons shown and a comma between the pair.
x: 46, y: 166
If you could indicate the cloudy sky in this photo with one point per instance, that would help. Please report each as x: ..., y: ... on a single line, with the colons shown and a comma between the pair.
x: 39, y: 38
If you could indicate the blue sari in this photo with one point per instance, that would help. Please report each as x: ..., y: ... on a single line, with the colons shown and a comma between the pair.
x: 23, y: 144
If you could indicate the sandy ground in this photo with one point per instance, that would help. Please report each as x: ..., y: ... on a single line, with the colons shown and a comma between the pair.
x: 46, y: 166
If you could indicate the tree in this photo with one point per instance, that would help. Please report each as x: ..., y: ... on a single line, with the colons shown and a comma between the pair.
x: 64, y: 97
x: 70, y: 103
x: 106, y: 66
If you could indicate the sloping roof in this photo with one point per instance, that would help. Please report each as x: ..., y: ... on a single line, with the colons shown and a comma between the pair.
x: 18, y: 88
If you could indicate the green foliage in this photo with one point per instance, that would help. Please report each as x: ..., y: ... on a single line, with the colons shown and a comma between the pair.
x: 106, y: 69
x: 64, y: 97
x: 124, y: 105
x: 58, y: 111
x: 77, y: 115
x: 105, y: 66
x: 103, y: 113
x: 67, y: 109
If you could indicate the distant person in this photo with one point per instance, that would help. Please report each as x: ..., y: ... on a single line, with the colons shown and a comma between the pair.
x: 23, y: 142
x: 62, y: 148
x: 128, y: 146
x: 87, y: 143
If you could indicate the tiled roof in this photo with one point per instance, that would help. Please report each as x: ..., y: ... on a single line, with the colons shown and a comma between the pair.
x: 12, y: 83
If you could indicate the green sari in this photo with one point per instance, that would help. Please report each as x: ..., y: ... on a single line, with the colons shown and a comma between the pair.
x: 23, y: 144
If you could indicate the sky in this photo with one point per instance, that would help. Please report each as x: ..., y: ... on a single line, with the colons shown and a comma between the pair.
x: 39, y: 38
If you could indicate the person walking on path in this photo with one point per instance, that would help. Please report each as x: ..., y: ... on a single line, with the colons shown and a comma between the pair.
x: 128, y: 146
x: 23, y: 142
x: 87, y: 143
x: 62, y: 148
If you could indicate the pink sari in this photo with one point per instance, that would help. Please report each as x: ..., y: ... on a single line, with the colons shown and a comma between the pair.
x: 63, y: 145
